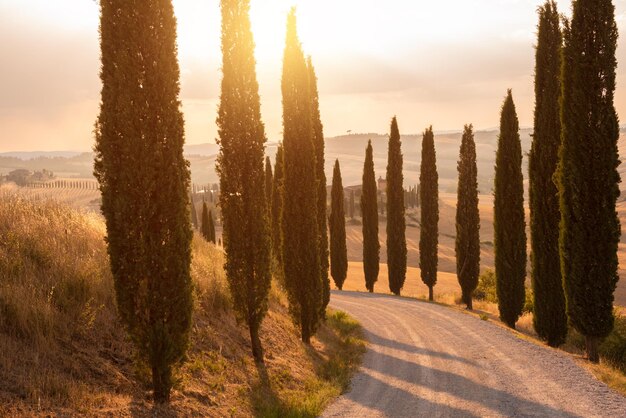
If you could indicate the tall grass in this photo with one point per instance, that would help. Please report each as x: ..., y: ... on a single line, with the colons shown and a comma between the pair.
x: 60, y: 336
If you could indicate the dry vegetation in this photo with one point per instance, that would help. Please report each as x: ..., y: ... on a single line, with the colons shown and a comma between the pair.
x: 64, y: 352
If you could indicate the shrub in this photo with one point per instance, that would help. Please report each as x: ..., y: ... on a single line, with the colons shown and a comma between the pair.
x: 486, y: 289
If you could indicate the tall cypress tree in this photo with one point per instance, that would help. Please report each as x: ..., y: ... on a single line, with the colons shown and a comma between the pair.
x: 369, y: 212
x: 549, y: 319
x: 269, y: 181
x: 338, y: 249
x: 211, y: 228
x: 396, y: 224
x: 318, y: 140
x: 277, y: 205
x: 429, y: 234
x: 587, y: 171
x: 194, y: 213
x: 300, y: 232
x: 145, y: 181
x: 205, y: 228
x: 242, y: 178
x: 467, y: 244
x: 352, y: 204
x: 508, y: 221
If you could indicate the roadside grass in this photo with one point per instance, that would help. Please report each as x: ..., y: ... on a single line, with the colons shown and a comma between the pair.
x: 336, y: 355
x: 64, y: 351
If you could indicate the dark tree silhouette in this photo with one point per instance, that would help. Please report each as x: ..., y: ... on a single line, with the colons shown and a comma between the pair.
x: 396, y: 224
x: 240, y: 165
x: 467, y: 244
x: 318, y: 141
x: 549, y: 317
x: 509, y: 222
x: 338, y: 249
x: 587, y: 172
x: 369, y: 212
x: 429, y: 234
x: 144, y: 180
x: 300, y: 232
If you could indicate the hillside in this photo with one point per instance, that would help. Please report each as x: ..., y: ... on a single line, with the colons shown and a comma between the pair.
x: 64, y: 352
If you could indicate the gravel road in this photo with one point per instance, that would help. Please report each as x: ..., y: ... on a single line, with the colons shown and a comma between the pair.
x: 426, y: 360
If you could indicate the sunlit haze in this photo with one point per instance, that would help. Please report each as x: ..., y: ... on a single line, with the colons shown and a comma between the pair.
x: 443, y: 63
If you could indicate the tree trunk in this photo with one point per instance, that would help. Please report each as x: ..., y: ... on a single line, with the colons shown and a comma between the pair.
x: 371, y: 290
x: 161, y: 384
x: 592, y: 344
x: 430, y: 294
x: 257, y: 348
x: 468, y: 301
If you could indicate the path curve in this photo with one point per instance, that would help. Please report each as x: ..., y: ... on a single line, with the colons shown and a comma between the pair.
x: 428, y: 360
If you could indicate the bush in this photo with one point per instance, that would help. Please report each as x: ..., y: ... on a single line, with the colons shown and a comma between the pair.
x: 529, y: 302
x: 612, y: 349
x: 486, y: 289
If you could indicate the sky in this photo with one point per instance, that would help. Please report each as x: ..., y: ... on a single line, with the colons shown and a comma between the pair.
x: 443, y: 63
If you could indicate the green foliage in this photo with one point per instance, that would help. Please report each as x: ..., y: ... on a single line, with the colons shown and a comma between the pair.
x: 429, y: 196
x: 486, y: 289
x: 396, y: 228
x: 318, y: 141
x: 144, y: 180
x: 587, y: 171
x: 300, y: 231
x: 194, y: 213
x: 467, y: 244
x: 509, y: 222
x: 269, y: 181
x: 211, y: 228
x: 549, y: 320
x: 240, y: 166
x: 369, y: 213
x: 205, y: 227
x: 338, y: 249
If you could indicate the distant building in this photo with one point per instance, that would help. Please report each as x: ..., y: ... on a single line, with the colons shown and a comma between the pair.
x: 382, y: 184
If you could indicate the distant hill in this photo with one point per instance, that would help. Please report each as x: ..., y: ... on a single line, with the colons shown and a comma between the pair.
x: 29, y: 155
x: 349, y: 149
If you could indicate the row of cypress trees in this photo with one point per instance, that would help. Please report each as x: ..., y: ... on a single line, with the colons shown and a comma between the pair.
x: 575, y: 153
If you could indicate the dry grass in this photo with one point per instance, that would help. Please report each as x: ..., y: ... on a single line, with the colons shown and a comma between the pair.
x: 64, y: 352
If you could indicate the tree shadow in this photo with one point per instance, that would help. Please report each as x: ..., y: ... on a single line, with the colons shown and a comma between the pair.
x: 375, y: 339
x: 398, y: 402
x: 497, y: 400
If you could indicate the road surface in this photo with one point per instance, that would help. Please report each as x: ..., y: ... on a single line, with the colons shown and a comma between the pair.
x: 426, y: 360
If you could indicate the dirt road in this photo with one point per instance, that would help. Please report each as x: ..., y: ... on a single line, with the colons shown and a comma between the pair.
x: 426, y: 360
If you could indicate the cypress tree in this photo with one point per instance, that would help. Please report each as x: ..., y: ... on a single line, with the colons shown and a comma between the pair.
x: 549, y: 319
x: 369, y: 212
x: 194, y: 213
x: 318, y: 140
x: 338, y: 249
x: 269, y: 181
x: 509, y: 223
x: 206, y: 226
x: 396, y: 224
x: 211, y: 228
x: 300, y: 232
x: 145, y: 181
x: 352, y: 204
x: 429, y: 234
x: 587, y: 171
x: 277, y: 201
x: 467, y: 244
x: 240, y: 165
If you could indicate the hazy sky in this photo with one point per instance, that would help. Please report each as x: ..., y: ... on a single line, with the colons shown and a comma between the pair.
x: 443, y: 63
